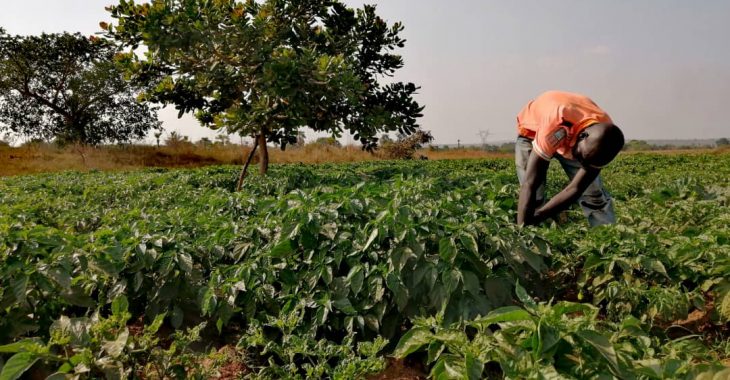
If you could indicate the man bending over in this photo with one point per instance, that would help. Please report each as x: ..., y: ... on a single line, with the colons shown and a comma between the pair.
x: 573, y: 129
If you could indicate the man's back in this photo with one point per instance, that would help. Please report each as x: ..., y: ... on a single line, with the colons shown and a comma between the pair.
x: 555, y: 118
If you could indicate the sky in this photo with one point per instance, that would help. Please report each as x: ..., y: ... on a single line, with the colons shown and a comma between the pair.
x: 660, y: 68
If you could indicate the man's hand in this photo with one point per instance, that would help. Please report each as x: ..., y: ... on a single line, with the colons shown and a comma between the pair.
x: 528, y: 213
x: 561, y: 201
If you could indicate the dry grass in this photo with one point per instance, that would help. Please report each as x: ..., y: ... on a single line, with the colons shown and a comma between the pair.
x: 44, y: 158
x: 48, y: 158
x: 317, y: 154
x: 457, y: 154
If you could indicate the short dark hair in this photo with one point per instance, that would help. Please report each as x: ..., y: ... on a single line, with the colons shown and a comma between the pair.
x: 610, y: 141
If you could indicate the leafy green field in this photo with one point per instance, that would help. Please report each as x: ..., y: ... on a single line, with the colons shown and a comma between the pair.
x: 324, y: 271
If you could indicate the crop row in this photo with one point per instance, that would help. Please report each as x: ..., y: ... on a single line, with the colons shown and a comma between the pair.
x: 322, y: 270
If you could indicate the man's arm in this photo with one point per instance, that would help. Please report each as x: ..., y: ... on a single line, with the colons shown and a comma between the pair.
x: 561, y: 201
x: 535, y: 174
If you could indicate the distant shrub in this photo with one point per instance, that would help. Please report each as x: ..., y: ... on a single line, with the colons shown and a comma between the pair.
x: 405, y: 147
x: 327, y: 141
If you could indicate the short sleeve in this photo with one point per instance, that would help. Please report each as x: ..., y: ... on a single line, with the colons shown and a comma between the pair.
x: 548, y: 140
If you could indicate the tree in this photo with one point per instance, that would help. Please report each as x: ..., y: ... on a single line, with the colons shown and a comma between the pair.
x: 724, y: 141
x: 177, y: 140
x: 406, y: 146
x: 222, y: 139
x: 158, y: 134
x: 67, y: 87
x: 204, y: 142
x: 301, y: 139
x: 265, y: 69
x: 328, y: 141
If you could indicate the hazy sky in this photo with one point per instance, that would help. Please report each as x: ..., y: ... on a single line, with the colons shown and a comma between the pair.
x: 660, y: 68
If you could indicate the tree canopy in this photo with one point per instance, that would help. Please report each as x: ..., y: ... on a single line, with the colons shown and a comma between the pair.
x: 268, y: 68
x: 68, y: 87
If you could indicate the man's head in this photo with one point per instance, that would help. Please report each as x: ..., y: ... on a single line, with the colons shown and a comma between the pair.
x: 598, y: 144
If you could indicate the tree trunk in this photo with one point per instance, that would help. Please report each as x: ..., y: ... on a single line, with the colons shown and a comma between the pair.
x: 244, y: 171
x: 263, y: 153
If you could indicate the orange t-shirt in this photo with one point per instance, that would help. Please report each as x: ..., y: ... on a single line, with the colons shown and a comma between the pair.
x: 554, y: 119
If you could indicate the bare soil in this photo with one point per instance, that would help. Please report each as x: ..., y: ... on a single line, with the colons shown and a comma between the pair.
x: 401, y: 370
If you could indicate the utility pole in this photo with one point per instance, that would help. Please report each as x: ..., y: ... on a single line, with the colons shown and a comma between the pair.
x: 458, y: 144
x: 484, y: 135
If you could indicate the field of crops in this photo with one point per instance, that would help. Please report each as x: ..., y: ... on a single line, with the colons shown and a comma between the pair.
x: 327, y: 271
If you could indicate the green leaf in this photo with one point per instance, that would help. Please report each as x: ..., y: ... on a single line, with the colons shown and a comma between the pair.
x: 531, y: 258
x: 412, y: 341
x: 30, y: 344
x: 650, y: 367
x: 57, y: 376
x: 654, y: 265
x: 209, y: 302
x: 185, y: 262
x: 449, y: 367
x: 447, y: 250
x: 400, y: 292
x: 471, y: 283
x: 451, y: 279
x: 604, y: 347
x: 524, y: 297
x: 75, y: 328
x: 283, y: 249
x: 116, y: 347
x: 420, y: 272
x: 474, y: 367
x: 434, y: 351
x: 176, y: 317
x: 65, y: 368
x: 17, y: 365
x: 723, y: 302
x: 470, y: 243
x: 120, y: 305
x: 356, y: 278
x: 76, y: 296
x: 156, y: 324
x: 371, y: 239
x: 549, y: 337
x: 565, y: 307
x: 345, y: 306
x: 372, y: 322
x: 20, y: 287
x: 505, y: 314
x: 329, y: 230
x: 60, y: 276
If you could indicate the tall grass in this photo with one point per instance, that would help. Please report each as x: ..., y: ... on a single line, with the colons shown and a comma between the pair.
x: 40, y: 158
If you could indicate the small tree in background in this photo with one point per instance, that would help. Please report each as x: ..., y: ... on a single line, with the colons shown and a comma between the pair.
x: 406, y: 146
x: 176, y: 140
x: 222, y: 139
x: 724, y: 141
x: 67, y: 87
x: 204, y: 142
x: 327, y: 141
x: 158, y: 134
x: 301, y: 139
x: 266, y: 69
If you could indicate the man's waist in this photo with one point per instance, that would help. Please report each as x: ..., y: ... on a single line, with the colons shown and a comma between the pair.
x: 525, y: 132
